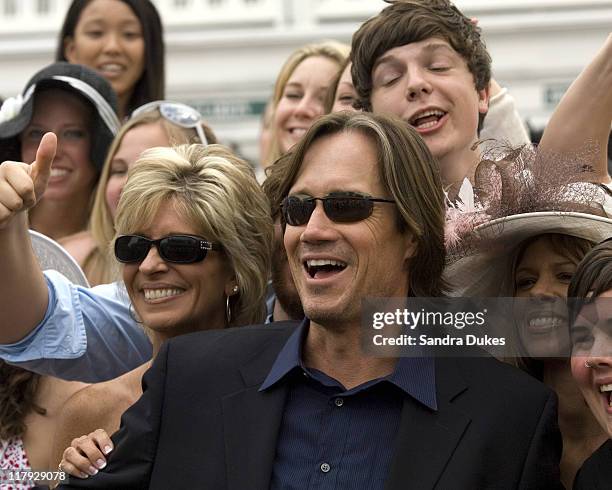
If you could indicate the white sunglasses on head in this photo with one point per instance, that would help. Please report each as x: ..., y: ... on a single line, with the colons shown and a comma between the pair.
x: 177, y: 113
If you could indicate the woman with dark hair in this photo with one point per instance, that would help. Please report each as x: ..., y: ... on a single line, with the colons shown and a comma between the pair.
x: 540, y: 222
x: 30, y: 406
x: 123, y: 41
x: 79, y: 106
x: 591, y: 334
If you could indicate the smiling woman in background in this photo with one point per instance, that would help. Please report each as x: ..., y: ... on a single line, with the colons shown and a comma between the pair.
x: 535, y: 232
x: 342, y: 95
x: 300, y: 91
x: 591, y: 333
x: 79, y: 106
x: 123, y: 41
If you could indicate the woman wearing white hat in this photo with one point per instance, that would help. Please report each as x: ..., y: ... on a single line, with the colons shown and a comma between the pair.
x: 536, y: 228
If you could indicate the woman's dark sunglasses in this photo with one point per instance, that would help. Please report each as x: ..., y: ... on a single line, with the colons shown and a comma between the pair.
x: 179, y: 249
x: 341, y: 209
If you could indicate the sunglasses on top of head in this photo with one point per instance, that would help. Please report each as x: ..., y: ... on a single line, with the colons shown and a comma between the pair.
x: 178, y: 249
x: 177, y: 113
x: 340, y: 208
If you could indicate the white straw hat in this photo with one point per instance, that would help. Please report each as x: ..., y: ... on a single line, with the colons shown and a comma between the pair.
x: 528, y: 194
x: 487, y: 271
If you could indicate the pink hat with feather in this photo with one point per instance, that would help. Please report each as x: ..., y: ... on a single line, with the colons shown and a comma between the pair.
x: 521, y: 196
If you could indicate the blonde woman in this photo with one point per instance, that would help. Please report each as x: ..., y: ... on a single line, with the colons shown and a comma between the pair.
x: 300, y: 91
x: 194, y: 237
x: 154, y: 124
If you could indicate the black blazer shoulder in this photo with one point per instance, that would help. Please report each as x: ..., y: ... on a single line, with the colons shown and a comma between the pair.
x: 238, y: 341
x: 222, y: 354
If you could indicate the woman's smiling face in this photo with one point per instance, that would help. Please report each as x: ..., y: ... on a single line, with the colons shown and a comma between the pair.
x: 72, y: 174
x: 303, y: 99
x: 541, y: 278
x: 108, y: 38
x: 173, y: 299
x: 592, y: 357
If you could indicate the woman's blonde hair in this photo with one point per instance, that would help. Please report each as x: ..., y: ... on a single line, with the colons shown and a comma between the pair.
x: 99, y: 266
x: 217, y: 193
x: 334, y: 50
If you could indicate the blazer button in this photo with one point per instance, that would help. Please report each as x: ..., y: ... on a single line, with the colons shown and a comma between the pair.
x: 325, y: 467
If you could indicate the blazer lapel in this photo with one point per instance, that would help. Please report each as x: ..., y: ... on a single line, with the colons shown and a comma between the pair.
x: 251, y: 421
x: 427, y: 439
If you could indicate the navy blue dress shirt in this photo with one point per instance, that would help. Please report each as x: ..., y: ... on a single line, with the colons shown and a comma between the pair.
x: 334, y: 438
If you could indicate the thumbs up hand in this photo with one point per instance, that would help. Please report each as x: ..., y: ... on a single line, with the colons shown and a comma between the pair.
x: 21, y: 184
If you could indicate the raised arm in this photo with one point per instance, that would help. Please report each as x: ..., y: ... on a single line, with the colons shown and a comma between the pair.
x: 84, y: 334
x: 502, y: 123
x: 585, y: 113
x: 23, y: 290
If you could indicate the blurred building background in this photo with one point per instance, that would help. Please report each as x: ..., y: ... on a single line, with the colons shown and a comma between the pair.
x: 223, y: 55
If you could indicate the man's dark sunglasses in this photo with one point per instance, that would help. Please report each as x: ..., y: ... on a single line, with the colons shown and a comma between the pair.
x: 339, y: 208
x: 179, y: 249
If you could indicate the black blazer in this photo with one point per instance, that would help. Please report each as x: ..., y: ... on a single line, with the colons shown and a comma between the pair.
x: 202, y: 423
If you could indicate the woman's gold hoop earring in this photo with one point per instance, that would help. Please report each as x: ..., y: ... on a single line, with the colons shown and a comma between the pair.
x: 228, y: 308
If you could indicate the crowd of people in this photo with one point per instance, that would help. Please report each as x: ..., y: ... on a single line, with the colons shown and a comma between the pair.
x: 220, y: 344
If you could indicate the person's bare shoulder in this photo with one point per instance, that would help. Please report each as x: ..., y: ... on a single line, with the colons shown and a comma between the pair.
x: 99, y: 406
x: 80, y: 245
x: 99, y: 403
x: 55, y: 392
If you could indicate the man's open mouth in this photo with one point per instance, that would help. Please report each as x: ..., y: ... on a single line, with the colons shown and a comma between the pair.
x: 426, y: 119
x: 323, y: 268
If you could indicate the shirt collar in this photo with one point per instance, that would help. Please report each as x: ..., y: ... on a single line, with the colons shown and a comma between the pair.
x: 413, y: 375
x: 416, y: 376
x: 288, y: 358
